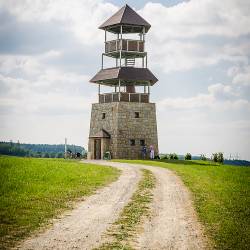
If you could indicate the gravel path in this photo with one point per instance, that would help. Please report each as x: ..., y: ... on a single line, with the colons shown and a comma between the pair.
x: 83, y: 227
x: 173, y: 224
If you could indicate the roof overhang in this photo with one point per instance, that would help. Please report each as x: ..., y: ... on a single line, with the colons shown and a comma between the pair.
x: 101, y: 134
x: 129, y: 19
x: 126, y: 75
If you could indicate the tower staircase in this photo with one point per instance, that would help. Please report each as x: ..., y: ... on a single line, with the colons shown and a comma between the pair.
x: 130, y: 62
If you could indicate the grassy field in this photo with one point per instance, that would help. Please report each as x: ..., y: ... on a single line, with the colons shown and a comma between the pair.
x: 34, y: 190
x: 221, y: 197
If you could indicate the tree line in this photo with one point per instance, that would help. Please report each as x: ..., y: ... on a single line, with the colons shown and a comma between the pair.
x: 37, y: 150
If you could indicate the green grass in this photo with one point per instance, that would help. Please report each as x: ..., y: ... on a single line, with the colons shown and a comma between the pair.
x: 221, y: 196
x: 35, y: 190
x: 124, y: 228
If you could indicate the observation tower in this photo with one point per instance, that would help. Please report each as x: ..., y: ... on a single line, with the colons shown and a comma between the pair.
x: 124, y: 119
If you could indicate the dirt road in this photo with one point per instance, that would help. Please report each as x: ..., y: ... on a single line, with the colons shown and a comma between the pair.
x: 173, y: 224
x: 83, y: 227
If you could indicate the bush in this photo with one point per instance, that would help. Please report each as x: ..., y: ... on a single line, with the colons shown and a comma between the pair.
x: 188, y: 156
x: 173, y: 156
x: 165, y: 157
x: 85, y: 155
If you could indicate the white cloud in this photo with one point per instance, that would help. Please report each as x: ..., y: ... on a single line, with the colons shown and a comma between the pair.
x: 30, y: 86
x: 184, y: 36
x: 81, y: 17
x: 198, y: 18
x: 219, y: 97
x: 242, y: 77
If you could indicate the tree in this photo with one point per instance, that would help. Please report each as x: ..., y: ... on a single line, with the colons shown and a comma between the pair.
x: 203, y: 157
x: 220, y: 157
x: 215, y: 157
x: 188, y: 156
x: 60, y: 155
x: 52, y: 155
x: 46, y: 155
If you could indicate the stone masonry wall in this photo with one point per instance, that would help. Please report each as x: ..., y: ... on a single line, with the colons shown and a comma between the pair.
x: 121, y: 124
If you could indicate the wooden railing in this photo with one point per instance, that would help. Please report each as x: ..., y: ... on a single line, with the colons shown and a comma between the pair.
x: 123, y: 97
x: 124, y: 45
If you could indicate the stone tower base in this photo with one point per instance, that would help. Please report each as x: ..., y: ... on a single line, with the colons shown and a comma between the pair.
x: 122, y: 128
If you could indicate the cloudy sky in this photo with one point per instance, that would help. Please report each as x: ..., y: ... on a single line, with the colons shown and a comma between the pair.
x: 199, y: 51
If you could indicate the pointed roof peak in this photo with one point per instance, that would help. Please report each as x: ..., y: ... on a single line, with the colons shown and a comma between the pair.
x: 125, y: 16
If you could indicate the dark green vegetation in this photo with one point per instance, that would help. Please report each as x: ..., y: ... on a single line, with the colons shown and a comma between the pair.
x: 37, y: 150
x: 124, y: 228
x: 221, y: 196
x: 34, y: 190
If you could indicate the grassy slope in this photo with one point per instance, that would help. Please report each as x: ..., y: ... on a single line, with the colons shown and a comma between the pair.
x: 34, y: 190
x: 221, y: 197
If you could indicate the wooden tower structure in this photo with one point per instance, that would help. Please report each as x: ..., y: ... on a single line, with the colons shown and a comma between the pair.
x: 124, y: 119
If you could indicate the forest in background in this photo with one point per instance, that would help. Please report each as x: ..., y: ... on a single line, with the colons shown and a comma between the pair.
x: 38, y: 150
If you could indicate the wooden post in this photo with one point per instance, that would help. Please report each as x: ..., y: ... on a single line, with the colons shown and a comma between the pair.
x: 119, y: 95
x: 105, y: 43
x: 148, y: 90
x: 121, y: 48
x: 65, y: 149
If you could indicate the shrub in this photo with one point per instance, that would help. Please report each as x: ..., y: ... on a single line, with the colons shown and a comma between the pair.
x: 188, y: 156
x: 173, y: 156
x: 165, y: 157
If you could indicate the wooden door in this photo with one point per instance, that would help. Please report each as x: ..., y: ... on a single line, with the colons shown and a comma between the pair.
x: 97, y: 149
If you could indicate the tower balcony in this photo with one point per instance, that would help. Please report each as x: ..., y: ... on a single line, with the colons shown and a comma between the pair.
x: 124, y: 97
x: 128, y: 47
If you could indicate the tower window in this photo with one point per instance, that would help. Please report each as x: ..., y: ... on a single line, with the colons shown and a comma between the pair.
x: 132, y: 142
x: 103, y: 115
x: 137, y: 114
x: 142, y: 142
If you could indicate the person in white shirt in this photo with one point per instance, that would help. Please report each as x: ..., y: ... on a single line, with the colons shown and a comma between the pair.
x: 152, y: 152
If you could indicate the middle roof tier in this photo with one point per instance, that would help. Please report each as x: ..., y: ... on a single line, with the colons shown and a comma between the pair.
x: 126, y: 76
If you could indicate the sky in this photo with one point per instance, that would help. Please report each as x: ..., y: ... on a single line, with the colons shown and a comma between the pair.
x: 199, y: 51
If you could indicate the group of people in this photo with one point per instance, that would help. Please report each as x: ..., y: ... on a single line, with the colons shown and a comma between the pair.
x: 151, y: 152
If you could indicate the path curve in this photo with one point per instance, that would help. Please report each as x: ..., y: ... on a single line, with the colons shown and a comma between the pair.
x: 174, y: 223
x: 83, y: 227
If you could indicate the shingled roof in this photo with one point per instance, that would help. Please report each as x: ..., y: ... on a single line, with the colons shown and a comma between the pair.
x: 127, y: 75
x: 125, y: 16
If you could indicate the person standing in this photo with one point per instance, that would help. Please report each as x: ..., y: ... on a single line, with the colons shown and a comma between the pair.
x: 144, y: 152
x: 152, y: 152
